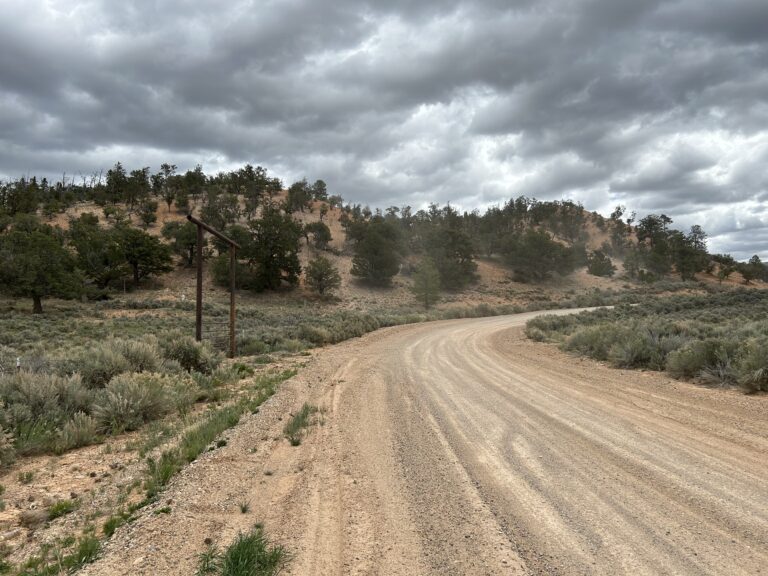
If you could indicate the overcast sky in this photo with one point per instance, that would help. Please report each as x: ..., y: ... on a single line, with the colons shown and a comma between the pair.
x: 660, y: 106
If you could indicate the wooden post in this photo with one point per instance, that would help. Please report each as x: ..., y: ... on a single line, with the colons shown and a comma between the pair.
x: 232, y: 266
x: 199, y: 300
x: 233, y: 246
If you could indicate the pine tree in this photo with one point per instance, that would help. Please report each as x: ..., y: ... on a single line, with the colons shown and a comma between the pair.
x: 377, y: 252
x: 322, y: 276
x: 426, y: 283
x: 274, y: 252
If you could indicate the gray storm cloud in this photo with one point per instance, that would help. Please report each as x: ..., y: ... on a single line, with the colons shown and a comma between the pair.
x: 660, y: 106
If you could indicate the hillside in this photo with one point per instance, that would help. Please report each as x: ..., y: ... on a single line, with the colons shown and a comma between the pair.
x: 495, y: 283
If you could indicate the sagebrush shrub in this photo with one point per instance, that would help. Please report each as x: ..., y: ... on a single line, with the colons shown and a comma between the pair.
x: 99, y: 365
x: 142, y: 355
x: 535, y: 334
x: 182, y: 392
x: 753, y: 367
x: 698, y: 356
x: 31, y: 396
x: 80, y: 430
x: 129, y: 400
x: 74, y: 396
x: 594, y: 341
x: 189, y: 353
x: 317, y: 335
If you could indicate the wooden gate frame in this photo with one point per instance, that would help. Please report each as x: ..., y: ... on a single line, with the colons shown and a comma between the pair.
x: 233, y: 246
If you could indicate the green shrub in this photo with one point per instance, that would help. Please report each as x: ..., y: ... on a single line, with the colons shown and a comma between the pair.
x: 35, y: 437
x: 700, y: 356
x: 114, y: 522
x: 182, y: 393
x: 189, y: 353
x: 634, y: 351
x: 594, y: 341
x: 290, y: 345
x: 753, y: 367
x: 195, y: 441
x: 251, y: 346
x: 46, y: 412
x: 129, y: 400
x: 317, y: 335
x: 30, y: 396
x: 74, y: 396
x: 160, y: 471
x: 99, y: 365
x: 535, y: 334
x: 80, y: 430
x: 60, y: 508
x: 142, y: 355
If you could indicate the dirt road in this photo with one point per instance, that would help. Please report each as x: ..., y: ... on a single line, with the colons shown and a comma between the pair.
x: 461, y: 448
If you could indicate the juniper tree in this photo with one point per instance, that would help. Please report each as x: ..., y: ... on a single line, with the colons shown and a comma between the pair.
x: 34, y: 263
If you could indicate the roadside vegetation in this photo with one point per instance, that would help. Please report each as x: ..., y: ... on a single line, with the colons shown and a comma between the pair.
x: 297, y: 426
x: 249, y: 555
x: 719, y: 339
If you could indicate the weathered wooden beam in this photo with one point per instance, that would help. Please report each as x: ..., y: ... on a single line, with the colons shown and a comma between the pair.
x: 213, y: 231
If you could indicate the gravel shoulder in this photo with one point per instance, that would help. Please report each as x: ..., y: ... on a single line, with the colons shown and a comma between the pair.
x: 459, y: 447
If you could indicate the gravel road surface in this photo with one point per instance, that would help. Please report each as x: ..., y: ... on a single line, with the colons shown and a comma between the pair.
x: 459, y: 447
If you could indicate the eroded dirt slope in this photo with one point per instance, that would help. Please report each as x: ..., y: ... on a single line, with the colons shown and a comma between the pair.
x: 461, y: 448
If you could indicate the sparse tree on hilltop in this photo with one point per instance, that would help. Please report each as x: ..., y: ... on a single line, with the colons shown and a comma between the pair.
x: 299, y: 196
x: 319, y: 190
x: 168, y: 187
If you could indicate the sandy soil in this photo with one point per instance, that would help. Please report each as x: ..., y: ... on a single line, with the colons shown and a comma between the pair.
x: 461, y: 448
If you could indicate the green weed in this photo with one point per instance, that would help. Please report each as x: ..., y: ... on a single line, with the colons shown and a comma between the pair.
x: 249, y: 555
x: 295, y: 429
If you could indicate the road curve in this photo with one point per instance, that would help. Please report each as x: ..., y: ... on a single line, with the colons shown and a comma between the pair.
x: 461, y: 448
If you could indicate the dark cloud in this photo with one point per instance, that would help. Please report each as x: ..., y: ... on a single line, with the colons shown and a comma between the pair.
x: 657, y: 105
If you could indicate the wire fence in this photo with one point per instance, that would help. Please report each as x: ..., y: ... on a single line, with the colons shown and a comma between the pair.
x: 216, y: 332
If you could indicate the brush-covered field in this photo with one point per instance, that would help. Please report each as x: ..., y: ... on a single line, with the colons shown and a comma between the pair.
x: 718, y: 339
